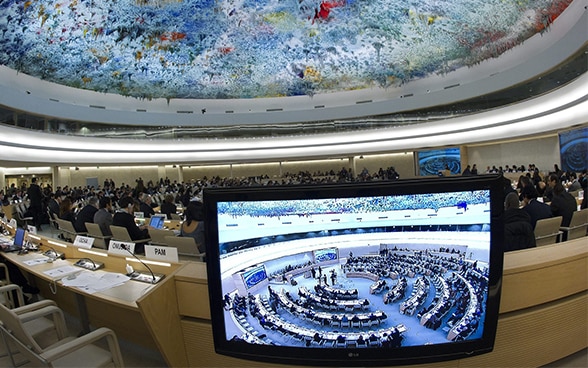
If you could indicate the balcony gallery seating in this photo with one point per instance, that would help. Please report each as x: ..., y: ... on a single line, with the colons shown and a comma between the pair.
x: 67, y: 351
x: 547, y: 231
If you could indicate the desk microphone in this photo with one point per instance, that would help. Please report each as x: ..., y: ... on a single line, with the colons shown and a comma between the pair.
x: 53, y: 255
x: 89, y: 264
x: 135, y: 275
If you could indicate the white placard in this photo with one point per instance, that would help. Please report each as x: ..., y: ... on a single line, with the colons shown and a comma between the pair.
x: 13, y: 223
x: 83, y: 242
x: 161, y: 253
x: 118, y: 247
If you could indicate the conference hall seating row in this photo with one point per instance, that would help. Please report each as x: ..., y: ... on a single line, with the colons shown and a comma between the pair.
x: 185, y: 245
x: 466, y: 325
x: 347, y: 320
x: 336, y: 293
x: 322, y: 337
x: 420, y: 290
x: 330, y: 303
x: 442, y: 305
x: 396, y: 292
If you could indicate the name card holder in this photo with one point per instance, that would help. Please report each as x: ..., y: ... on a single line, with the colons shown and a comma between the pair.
x: 162, y: 253
x: 83, y: 242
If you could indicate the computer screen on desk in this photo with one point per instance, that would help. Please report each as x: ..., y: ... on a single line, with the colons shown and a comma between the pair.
x: 17, y: 242
x: 156, y: 221
x: 363, y: 274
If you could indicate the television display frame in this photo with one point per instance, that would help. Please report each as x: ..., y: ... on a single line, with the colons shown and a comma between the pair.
x: 573, y: 148
x: 350, y: 356
x: 435, y: 161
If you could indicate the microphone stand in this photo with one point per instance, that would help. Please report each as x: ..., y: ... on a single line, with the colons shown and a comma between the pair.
x: 140, y: 276
x: 89, y: 264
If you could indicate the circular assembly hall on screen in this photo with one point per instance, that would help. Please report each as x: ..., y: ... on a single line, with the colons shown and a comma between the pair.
x: 386, y: 271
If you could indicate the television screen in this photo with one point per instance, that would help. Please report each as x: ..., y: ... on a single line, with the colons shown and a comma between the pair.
x: 573, y: 148
x: 381, y: 273
x: 436, y: 162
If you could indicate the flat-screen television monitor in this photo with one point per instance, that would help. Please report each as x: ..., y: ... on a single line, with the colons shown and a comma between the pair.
x: 364, y: 274
x: 573, y: 149
x: 436, y: 162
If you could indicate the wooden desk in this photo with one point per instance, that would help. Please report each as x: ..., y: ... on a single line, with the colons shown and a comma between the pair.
x: 124, y: 308
x: 543, y: 311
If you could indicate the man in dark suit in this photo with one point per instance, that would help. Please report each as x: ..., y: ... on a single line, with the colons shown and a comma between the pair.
x: 145, y: 205
x: 35, y: 196
x: 533, y: 207
x: 125, y: 218
x: 562, y: 203
x: 518, y: 232
x: 86, y: 214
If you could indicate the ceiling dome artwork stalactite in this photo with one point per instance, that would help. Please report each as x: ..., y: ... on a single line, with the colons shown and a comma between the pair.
x: 209, y: 49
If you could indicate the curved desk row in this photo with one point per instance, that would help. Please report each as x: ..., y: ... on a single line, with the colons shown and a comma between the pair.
x: 542, y: 312
x: 543, y: 309
x: 124, y: 308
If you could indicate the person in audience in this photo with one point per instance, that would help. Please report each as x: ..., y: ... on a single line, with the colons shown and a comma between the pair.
x: 145, y: 205
x: 124, y: 217
x: 35, y: 196
x: 474, y: 170
x: 562, y: 203
x: 168, y: 206
x: 533, y: 207
x: 86, y: 214
x: 193, y: 226
x: 54, y: 203
x: 518, y: 231
x: 507, y: 186
x: 575, y: 183
x: 103, y: 217
x: 66, y: 210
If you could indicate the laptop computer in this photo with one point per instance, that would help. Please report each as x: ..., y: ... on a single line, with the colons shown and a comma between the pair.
x: 156, y: 221
x: 17, y: 243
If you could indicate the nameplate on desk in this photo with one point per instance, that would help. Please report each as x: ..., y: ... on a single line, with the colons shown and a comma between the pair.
x: 159, y: 253
x: 13, y: 223
x: 118, y: 247
x: 83, y: 242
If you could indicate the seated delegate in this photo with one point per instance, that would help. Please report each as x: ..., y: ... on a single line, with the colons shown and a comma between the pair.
x: 124, y: 217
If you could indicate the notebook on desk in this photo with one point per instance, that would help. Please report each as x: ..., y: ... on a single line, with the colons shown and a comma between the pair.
x: 17, y: 243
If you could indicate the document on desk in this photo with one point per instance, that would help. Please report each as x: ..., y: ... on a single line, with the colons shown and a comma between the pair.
x: 37, y: 261
x: 94, y: 281
x: 61, y: 271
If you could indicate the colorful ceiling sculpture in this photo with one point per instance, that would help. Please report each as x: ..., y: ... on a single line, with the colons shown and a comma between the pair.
x: 264, y: 48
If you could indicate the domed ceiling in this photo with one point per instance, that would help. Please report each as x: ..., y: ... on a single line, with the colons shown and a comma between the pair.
x: 238, y: 49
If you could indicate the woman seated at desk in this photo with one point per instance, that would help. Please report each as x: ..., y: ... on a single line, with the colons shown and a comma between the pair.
x: 193, y: 226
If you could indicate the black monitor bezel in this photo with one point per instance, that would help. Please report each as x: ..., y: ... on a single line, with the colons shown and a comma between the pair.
x: 356, y: 357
